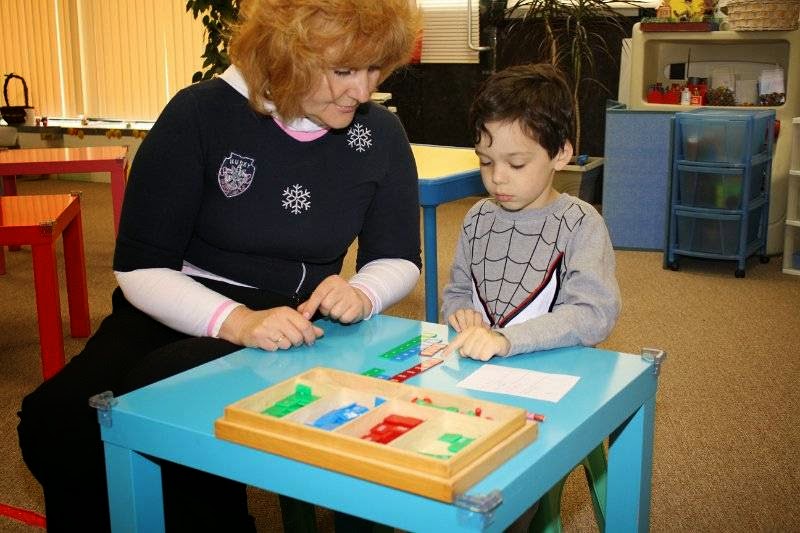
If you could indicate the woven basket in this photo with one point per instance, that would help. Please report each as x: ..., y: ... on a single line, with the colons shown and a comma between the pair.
x: 762, y: 15
x: 14, y: 114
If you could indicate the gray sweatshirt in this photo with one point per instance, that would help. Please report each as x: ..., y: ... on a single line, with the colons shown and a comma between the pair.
x: 544, y: 278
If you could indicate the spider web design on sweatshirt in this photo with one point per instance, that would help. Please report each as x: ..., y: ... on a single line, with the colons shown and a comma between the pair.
x: 510, y: 265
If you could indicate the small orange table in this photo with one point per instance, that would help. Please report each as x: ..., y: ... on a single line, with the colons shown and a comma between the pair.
x: 26, y: 161
x: 38, y: 221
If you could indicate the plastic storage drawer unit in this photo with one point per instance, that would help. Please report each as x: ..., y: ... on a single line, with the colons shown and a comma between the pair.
x: 717, y: 136
x: 716, y: 236
x: 719, y: 187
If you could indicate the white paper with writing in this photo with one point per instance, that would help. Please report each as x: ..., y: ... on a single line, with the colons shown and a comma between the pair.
x: 520, y: 382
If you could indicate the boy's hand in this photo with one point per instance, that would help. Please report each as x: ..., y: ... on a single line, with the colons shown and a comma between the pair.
x: 466, y: 318
x: 479, y: 342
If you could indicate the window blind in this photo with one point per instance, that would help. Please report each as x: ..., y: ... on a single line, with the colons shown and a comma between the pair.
x: 444, y: 33
x: 29, y: 47
x: 119, y: 59
x: 136, y: 54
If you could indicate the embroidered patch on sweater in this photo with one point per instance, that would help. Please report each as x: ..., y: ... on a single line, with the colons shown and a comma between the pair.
x: 236, y: 174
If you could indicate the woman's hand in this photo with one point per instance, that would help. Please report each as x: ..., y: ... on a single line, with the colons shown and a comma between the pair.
x: 273, y: 329
x: 466, y: 318
x: 479, y: 342
x: 337, y: 299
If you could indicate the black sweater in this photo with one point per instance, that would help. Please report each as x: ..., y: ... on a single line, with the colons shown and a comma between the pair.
x: 224, y: 188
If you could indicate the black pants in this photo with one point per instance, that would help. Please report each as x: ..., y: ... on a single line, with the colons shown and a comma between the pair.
x: 60, y: 437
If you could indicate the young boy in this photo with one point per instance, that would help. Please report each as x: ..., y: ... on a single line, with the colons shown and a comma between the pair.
x: 534, y: 268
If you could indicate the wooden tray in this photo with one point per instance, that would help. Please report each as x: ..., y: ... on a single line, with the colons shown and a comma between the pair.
x: 418, y: 461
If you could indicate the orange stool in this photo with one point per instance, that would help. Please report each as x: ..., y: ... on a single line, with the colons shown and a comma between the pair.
x: 38, y: 221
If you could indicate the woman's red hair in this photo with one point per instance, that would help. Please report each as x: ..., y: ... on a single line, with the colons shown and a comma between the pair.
x: 282, y: 47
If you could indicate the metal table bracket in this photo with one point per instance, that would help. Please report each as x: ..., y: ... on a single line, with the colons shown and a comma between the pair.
x: 103, y: 402
x: 654, y: 356
x: 477, y: 509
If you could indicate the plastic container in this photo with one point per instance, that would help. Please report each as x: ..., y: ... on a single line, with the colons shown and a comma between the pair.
x: 718, y: 136
x: 717, y: 236
x: 718, y: 187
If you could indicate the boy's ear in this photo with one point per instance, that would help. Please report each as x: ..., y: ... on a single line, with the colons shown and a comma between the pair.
x: 563, y: 157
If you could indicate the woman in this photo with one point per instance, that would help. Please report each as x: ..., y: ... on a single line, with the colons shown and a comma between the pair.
x: 241, y: 204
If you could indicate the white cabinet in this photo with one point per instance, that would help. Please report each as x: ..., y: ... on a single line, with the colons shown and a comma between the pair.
x: 791, y: 243
x: 653, y: 52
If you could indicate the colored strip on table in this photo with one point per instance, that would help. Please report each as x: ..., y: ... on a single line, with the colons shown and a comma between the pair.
x: 414, y: 370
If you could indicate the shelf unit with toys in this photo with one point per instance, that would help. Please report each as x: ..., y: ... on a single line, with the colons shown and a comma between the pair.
x: 652, y: 53
x: 791, y: 242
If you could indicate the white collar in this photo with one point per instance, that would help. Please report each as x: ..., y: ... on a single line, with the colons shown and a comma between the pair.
x: 233, y: 77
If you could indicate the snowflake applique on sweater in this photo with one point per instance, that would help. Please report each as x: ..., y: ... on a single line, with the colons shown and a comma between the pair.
x: 296, y: 199
x: 359, y: 137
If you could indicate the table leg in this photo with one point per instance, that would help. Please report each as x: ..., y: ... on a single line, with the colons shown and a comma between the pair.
x: 2, y: 260
x: 118, y: 190
x: 9, y: 189
x: 430, y: 266
x: 9, y: 185
x: 630, y: 469
x: 135, y: 498
x: 75, y: 267
x: 48, y: 308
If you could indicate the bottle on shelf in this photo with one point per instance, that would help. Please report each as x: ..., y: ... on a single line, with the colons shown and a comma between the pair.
x: 686, y: 96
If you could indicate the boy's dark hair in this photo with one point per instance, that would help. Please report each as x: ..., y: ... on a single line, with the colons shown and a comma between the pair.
x: 536, y: 95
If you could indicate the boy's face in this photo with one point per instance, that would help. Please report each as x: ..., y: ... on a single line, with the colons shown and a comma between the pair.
x: 515, y: 169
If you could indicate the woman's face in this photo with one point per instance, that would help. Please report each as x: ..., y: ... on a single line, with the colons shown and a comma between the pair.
x: 338, y: 93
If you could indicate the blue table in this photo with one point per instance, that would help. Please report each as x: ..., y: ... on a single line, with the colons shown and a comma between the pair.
x: 446, y: 173
x: 174, y: 420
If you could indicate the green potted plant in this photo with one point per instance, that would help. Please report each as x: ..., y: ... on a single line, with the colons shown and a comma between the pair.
x: 572, y: 34
x: 217, y: 18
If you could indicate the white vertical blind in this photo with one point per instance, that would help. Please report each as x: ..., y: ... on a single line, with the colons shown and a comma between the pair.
x: 137, y: 54
x: 444, y: 33
x: 105, y: 58
x: 29, y: 48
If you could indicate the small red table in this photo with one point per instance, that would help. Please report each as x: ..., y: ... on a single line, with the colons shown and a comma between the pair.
x: 26, y: 161
x: 38, y: 221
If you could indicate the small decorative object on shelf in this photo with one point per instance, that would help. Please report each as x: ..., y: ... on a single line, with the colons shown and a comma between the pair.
x: 772, y: 99
x: 720, y: 96
x: 664, y: 11
x: 688, y: 10
x: 682, y: 15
